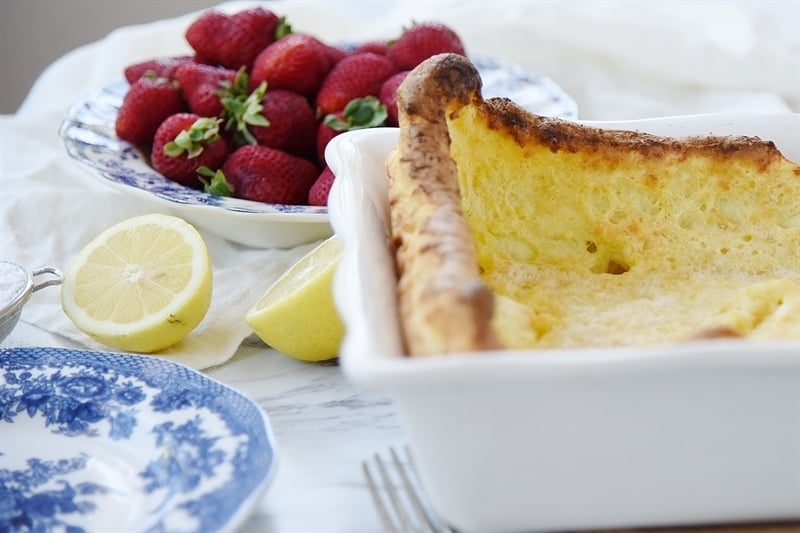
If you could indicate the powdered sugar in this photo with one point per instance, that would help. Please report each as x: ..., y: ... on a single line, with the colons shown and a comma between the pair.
x: 13, y: 281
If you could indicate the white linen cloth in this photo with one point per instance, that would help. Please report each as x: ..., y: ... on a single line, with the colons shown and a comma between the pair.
x: 619, y: 60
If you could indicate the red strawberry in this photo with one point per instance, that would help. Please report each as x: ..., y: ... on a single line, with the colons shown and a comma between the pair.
x: 335, y: 54
x: 388, y: 95
x: 359, y: 113
x: 278, y: 118
x: 421, y: 41
x: 144, y: 107
x: 325, y: 133
x: 297, y: 63
x: 184, y: 143
x: 265, y: 174
x: 200, y: 59
x: 318, y: 194
x: 162, y: 67
x: 201, y: 85
x: 233, y: 41
x: 355, y: 76
x: 292, y: 124
x: 376, y: 47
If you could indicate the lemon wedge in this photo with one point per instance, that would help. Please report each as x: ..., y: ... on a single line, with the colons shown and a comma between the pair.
x: 142, y: 285
x: 297, y: 315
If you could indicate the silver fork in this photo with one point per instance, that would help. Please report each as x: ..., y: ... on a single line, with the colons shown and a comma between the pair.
x: 405, y: 511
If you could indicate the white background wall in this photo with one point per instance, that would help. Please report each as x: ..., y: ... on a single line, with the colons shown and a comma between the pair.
x: 33, y: 33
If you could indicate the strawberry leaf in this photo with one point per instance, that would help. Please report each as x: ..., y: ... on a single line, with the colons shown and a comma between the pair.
x: 244, y: 112
x: 200, y: 134
x: 336, y: 124
x: 216, y: 184
x: 239, y: 87
x: 283, y: 29
x: 359, y: 113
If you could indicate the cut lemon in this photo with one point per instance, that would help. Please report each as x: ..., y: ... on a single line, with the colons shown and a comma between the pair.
x: 297, y: 315
x: 142, y: 285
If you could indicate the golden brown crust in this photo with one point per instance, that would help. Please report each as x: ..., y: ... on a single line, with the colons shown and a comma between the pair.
x: 444, y: 301
x: 563, y: 135
x: 444, y: 305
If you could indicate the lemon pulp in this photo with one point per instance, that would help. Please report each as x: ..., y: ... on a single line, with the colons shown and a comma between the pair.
x: 142, y: 285
x: 297, y: 315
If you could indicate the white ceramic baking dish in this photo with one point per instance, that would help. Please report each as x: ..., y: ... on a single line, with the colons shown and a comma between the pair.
x: 703, y: 432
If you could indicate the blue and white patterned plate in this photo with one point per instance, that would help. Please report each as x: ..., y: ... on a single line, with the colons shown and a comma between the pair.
x: 96, y: 441
x: 89, y: 136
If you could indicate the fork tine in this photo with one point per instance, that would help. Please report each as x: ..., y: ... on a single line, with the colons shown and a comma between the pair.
x: 411, y: 513
x: 386, y: 520
x: 394, y: 497
x: 426, y: 522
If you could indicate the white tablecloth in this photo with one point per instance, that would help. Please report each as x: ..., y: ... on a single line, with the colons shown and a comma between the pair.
x: 619, y: 60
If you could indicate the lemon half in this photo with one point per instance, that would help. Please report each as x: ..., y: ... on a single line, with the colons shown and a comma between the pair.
x: 297, y: 315
x: 142, y: 285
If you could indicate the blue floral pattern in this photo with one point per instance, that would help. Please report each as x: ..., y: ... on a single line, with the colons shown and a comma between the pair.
x: 202, y: 451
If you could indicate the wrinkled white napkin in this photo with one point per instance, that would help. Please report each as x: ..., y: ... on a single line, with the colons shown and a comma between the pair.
x: 619, y: 60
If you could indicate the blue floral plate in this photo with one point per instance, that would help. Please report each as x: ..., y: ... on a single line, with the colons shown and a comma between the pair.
x: 89, y: 137
x: 95, y: 441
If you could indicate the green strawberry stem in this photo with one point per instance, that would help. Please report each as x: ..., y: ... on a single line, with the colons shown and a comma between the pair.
x: 217, y: 184
x: 244, y: 109
x: 283, y: 29
x: 359, y: 113
x: 202, y: 132
x: 153, y: 76
x: 239, y: 87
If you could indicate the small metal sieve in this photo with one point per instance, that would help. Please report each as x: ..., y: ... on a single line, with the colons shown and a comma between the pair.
x: 16, y: 286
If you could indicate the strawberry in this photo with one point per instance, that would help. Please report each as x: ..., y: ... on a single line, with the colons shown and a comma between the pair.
x: 292, y: 124
x: 185, y: 142
x: 335, y: 54
x: 421, y: 41
x: 278, y: 118
x: 233, y: 41
x: 162, y: 67
x: 144, y: 107
x: 297, y: 62
x: 325, y: 133
x: 318, y: 194
x: 376, y: 47
x: 264, y: 174
x: 388, y: 95
x: 201, y: 85
x: 355, y: 76
x: 359, y: 113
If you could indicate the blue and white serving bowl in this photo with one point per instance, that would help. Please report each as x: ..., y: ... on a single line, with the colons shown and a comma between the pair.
x: 89, y: 136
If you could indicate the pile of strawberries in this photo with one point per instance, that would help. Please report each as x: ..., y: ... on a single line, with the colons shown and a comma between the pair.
x: 250, y: 112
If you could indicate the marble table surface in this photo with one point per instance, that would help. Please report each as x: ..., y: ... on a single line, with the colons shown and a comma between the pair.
x: 324, y: 428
